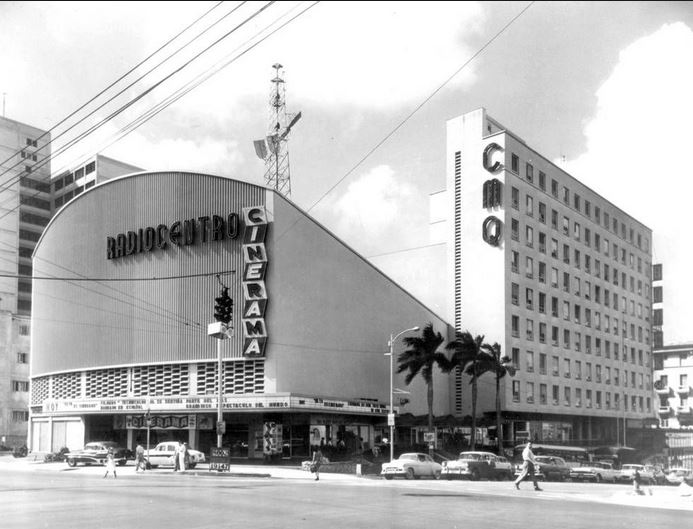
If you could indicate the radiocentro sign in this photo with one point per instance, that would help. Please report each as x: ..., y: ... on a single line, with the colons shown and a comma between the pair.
x: 179, y: 233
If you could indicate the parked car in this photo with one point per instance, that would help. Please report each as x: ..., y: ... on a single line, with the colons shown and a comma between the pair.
x: 678, y: 475
x: 596, y: 471
x: 627, y: 473
x: 477, y: 465
x: 412, y: 466
x: 163, y: 455
x: 552, y: 468
x: 94, y: 453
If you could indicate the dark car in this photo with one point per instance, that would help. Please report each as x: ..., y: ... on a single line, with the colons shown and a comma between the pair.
x: 95, y: 452
x: 552, y: 468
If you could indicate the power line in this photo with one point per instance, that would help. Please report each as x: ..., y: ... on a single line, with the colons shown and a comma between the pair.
x: 127, y: 105
x: 407, y: 250
x: 114, y: 280
x: 109, y: 87
x: 410, y: 115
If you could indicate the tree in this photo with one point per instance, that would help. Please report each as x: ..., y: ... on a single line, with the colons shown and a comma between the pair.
x: 468, y: 354
x: 500, y: 366
x: 420, y: 357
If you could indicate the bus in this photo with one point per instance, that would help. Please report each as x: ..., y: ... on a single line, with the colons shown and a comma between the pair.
x: 616, y: 455
x: 574, y: 456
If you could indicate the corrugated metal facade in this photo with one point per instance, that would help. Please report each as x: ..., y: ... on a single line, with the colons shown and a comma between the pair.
x: 139, y: 321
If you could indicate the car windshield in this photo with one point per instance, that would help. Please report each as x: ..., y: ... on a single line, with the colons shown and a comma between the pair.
x: 632, y: 467
x: 543, y: 459
x: 408, y: 457
x: 470, y: 456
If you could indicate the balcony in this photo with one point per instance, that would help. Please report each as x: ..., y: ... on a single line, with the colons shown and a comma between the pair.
x: 683, y: 390
x: 665, y: 411
x: 684, y: 411
x: 662, y: 390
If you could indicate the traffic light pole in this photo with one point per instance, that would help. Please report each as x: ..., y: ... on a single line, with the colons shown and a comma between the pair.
x: 220, y: 393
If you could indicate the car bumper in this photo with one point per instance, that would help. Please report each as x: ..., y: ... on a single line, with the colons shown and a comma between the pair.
x: 455, y: 472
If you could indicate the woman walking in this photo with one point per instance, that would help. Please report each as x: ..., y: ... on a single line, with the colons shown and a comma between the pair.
x: 110, y: 464
x: 315, y: 464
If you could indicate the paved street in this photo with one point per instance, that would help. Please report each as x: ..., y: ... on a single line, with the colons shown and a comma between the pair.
x: 55, y: 497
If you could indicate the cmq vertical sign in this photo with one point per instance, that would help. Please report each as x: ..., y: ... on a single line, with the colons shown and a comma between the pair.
x: 254, y: 288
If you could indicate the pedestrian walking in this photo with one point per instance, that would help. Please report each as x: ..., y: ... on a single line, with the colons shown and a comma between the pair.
x: 184, y: 457
x: 110, y: 464
x: 528, y: 464
x: 315, y: 464
x: 636, y: 482
x: 139, y: 458
x: 176, y: 458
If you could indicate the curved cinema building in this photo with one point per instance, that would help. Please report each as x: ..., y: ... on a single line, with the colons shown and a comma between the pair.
x: 125, y: 280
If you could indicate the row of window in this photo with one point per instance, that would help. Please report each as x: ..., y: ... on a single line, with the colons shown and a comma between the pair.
x: 573, y: 369
x: 584, y: 207
x: 594, y: 294
x: 63, y: 199
x: 66, y: 180
x: 573, y: 397
x: 28, y: 156
x: 591, y: 264
x: 20, y: 416
x: 577, y: 339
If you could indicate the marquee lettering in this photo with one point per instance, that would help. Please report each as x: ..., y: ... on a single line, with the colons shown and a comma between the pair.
x: 254, y: 289
x: 491, y: 230
x: 179, y: 233
x: 488, y: 152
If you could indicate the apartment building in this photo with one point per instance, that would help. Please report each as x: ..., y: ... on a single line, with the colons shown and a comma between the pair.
x: 25, y: 209
x: 559, y: 276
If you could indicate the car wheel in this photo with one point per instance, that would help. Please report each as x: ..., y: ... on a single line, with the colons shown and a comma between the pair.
x: 388, y: 477
x: 192, y: 465
x: 475, y: 475
x: 598, y: 478
x: 71, y: 463
x: 122, y: 463
x: 410, y: 474
x: 436, y: 474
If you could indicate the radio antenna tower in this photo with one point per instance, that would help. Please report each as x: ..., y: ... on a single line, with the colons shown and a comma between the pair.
x: 274, y: 148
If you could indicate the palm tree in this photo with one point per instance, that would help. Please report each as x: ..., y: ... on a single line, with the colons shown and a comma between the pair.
x: 468, y: 354
x: 500, y: 366
x: 420, y: 357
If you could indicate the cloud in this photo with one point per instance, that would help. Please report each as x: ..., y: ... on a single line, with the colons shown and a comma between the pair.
x: 377, y: 213
x: 637, y: 145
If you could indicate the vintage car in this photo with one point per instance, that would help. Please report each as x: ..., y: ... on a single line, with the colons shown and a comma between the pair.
x: 412, y: 466
x: 552, y: 468
x: 163, y: 455
x: 477, y: 465
x: 627, y: 473
x: 597, y: 471
x: 94, y: 453
x: 678, y: 475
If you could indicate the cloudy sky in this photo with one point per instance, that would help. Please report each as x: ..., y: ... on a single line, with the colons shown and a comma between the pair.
x: 603, y: 88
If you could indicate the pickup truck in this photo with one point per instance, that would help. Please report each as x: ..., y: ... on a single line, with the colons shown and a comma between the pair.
x: 94, y: 453
x: 596, y: 471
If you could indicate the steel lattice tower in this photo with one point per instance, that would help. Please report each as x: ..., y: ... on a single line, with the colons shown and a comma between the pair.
x: 276, y: 155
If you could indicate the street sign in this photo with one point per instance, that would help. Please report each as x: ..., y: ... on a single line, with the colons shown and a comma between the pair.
x: 390, y: 419
x: 429, y: 437
x: 221, y: 427
x: 220, y: 459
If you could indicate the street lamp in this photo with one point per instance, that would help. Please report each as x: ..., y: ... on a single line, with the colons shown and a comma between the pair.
x: 391, y: 415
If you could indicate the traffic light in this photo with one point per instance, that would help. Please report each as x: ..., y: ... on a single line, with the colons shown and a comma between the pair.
x: 223, y: 307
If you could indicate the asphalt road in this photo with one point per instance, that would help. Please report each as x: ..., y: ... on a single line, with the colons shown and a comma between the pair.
x: 71, y: 500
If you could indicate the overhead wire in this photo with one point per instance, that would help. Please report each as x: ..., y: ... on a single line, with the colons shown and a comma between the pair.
x: 410, y: 115
x: 103, y: 91
x: 132, y: 101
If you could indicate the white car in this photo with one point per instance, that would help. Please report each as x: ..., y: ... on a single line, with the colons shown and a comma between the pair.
x: 597, y: 471
x: 478, y: 465
x: 678, y: 475
x: 163, y: 455
x: 627, y: 473
x: 412, y: 466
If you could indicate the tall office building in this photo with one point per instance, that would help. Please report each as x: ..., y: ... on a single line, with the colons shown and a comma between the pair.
x: 28, y: 200
x: 556, y: 274
x: 25, y: 209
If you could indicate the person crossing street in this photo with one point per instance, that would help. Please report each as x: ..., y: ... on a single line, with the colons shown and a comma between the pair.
x: 528, y: 464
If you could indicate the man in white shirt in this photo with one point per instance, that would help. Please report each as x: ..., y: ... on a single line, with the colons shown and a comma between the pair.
x: 528, y: 463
